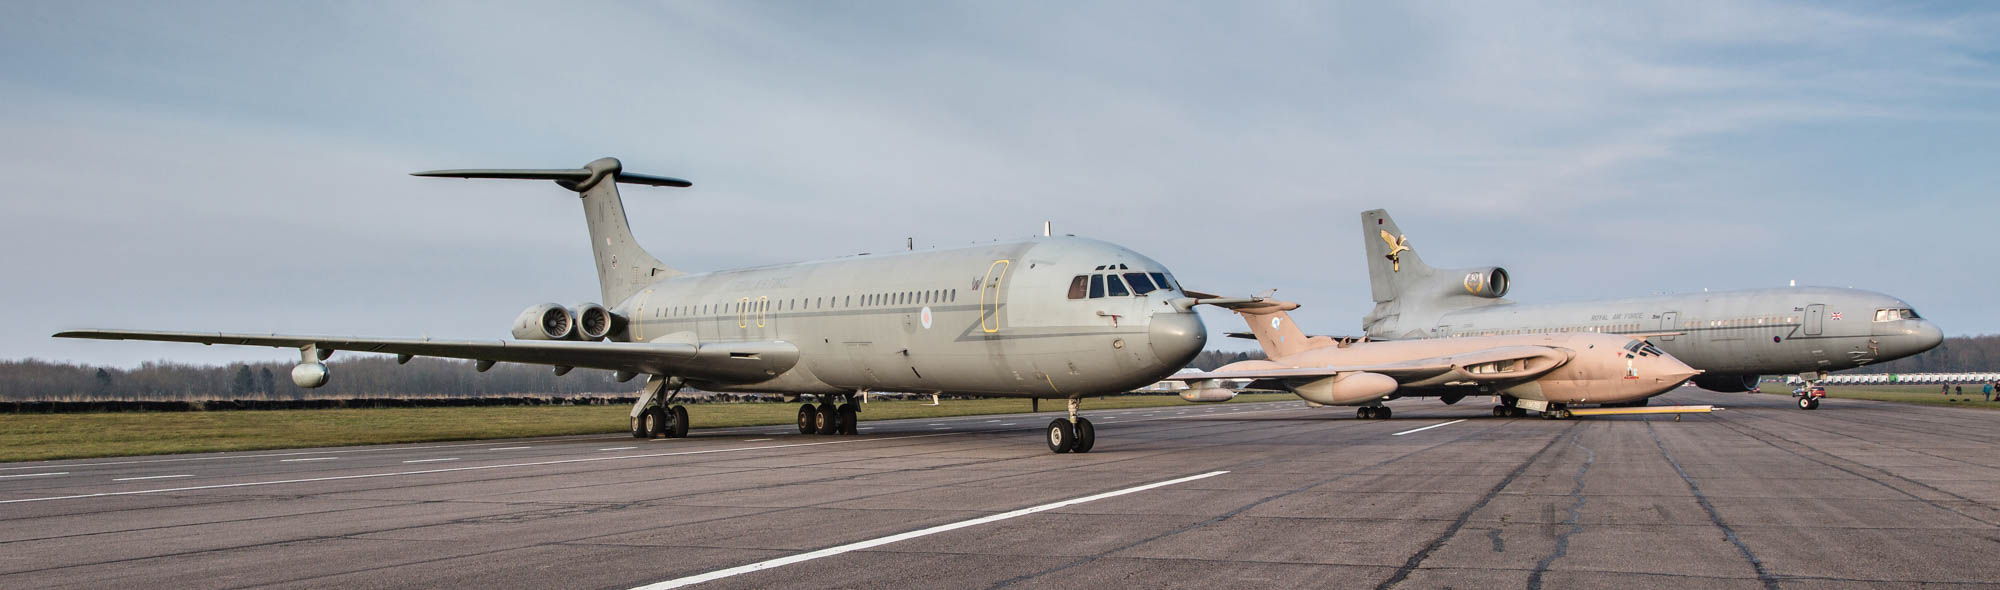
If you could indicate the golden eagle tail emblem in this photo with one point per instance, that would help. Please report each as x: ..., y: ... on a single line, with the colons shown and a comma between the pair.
x: 1397, y: 246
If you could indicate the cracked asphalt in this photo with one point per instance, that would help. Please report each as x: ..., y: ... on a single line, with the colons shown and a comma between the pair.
x: 1855, y: 494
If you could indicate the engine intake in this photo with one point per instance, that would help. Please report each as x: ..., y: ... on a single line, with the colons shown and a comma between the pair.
x: 547, y: 321
x: 594, y: 322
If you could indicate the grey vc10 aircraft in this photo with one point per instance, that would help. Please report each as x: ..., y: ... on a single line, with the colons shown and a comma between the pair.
x: 1006, y: 319
x: 1732, y: 336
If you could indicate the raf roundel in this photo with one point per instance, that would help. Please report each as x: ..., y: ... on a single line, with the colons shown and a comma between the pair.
x: 925, y: 316
x: 1275, y: 322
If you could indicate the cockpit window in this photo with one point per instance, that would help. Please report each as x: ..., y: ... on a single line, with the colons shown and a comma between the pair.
x: 1115, y: 287
x: 1140, y: 284
x: 1884, y: 315
x: 1077, y: 286
x: 1096, y: 286
x: 1161, y: 279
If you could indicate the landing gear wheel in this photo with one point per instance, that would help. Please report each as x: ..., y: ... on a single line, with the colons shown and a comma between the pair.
x: 1517, y: 412
x: 1383, y: 413
x: 1807, y: 403
x: 669, y: 423
x: 1364, y: 413
x: 639, y: 426
x: 655, y: 421
x: 850, y: 419
x: 808, y: 419
x: 1062, y: 436
x: 681, y: 424
x: 827, y: 420
x: 1499, y: 411
x: 1086, y: 436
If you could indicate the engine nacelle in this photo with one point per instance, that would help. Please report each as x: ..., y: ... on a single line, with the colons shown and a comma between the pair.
x: 1347, y: 389
x: 1726, y: 383
x: 1207, y: 392
x: 1490, y: 282
x: 547, y: 321
x: 594, y: 322
x: 309, y: 375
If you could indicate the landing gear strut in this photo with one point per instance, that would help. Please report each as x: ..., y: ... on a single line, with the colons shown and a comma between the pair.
x: 655, y: 415
x: 1073, y: 434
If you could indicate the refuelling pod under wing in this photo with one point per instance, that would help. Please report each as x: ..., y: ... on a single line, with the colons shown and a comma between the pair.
x: 1347, y: 389
x: 1210, y: 391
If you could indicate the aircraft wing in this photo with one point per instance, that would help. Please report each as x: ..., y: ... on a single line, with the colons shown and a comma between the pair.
x: 1504, y: 363
x: 729, y: 362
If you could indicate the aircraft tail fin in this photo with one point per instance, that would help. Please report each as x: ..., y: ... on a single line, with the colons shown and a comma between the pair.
x: 1273, y: 327
x: 1393, y: 267
x: 623, y: 267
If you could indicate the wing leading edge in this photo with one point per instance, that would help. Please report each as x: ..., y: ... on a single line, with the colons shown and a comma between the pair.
x: 726, y: 362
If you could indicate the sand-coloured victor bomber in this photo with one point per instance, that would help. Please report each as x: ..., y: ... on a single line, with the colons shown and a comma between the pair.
x: 1049, y: 317
x: 1546, y: 373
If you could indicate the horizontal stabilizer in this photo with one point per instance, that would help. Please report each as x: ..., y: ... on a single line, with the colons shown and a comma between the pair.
x: 574, y: 175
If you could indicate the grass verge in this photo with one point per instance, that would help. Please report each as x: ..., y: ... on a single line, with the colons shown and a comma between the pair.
x: 41, y: 437
x: 1923, y: 395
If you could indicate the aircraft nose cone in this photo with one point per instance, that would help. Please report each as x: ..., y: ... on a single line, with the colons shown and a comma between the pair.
x: 1927, y: 336
x: 1176, y: 337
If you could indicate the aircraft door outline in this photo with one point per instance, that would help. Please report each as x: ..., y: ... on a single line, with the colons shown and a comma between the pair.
x: 742, y: 313
x: 989, y: 295
x: 1669, y: 322
x: 1815, y: 319
x: 763, y: 306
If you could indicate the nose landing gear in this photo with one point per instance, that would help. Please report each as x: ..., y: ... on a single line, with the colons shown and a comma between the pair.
x: 1073, y: 434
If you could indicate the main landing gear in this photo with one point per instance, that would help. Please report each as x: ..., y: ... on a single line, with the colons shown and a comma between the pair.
x: 830, y: 417
x: 1373, y: 412
x: 1508, y: 412
x: 1073, y: 434
x: 654, y: 416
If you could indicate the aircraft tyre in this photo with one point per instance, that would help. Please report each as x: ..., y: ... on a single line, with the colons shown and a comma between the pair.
x: 669, y: 423
x: 1086, y: 436
x: 681, y: 424
x: 1807, y: 403
x: 1062, y: 436
x: 639, y: 426
x: 808, y: 419
x: 850, y: 418
x: 1499, y: 411
x: 827, y: 420
x: 1517, y: 412
x: 1383, y: 413
x: 1364, y: 413
x: 654, y: 419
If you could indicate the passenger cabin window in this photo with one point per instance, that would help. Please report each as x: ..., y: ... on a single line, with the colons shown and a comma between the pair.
x: 1078, y: 287
x: 1140, y: 284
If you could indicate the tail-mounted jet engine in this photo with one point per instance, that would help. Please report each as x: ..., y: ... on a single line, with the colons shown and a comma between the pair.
x: 1489, y: 282
x: 594, y: 322
x: 547, y: 321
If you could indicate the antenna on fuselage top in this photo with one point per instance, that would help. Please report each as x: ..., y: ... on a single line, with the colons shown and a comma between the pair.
x: 1048, y: 229
x: 909, y: 243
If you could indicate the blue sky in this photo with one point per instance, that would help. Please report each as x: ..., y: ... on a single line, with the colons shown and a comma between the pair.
x: 242, y: 166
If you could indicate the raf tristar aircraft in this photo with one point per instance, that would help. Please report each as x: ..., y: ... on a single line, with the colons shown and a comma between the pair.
x: 1006, y: 319
x: 1732, y: 336
x: 1546, y: 373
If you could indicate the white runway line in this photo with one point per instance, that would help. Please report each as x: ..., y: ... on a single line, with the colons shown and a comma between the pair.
x: 308, y: 459
x: 454, y: 469
x: 832, y: 551
x: 757, y: 440
x: 619, y: 449
x: 35, y: 474
x: 510, y: 448
x: 151, y: 477
x: 432, y: 460
x: 1426, y: 428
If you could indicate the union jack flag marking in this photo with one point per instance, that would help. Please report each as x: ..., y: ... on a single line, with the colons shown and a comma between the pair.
x: 1836, y: 315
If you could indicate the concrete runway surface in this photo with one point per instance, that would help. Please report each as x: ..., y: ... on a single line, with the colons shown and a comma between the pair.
x: 1855, y: 494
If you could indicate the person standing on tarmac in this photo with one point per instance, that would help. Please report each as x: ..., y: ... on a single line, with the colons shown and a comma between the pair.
x: 1987, y: 391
